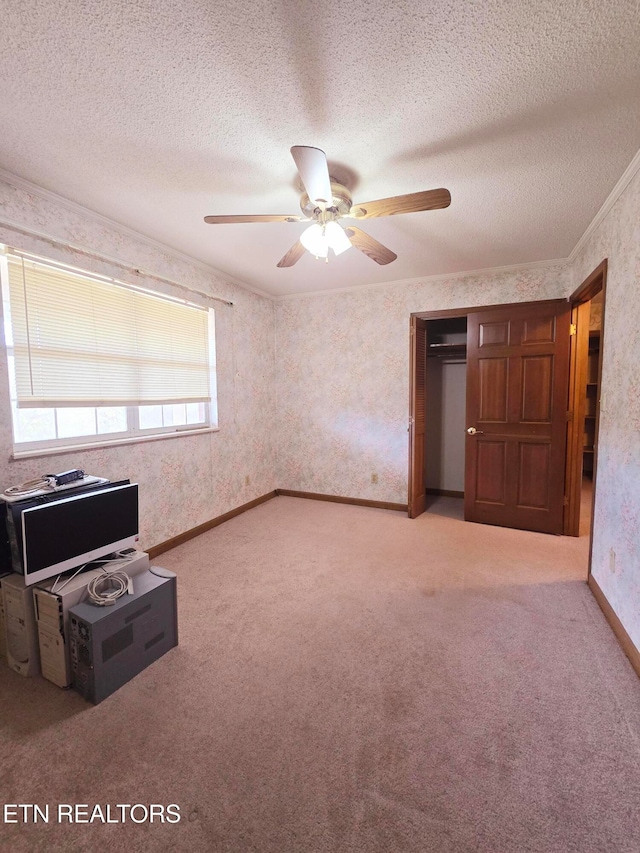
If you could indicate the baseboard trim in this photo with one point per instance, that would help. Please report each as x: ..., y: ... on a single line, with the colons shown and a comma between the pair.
x: 207, y: 525
x: 315, y: 496
x: 220, y: 519
x: 617, y: 627
x: 445, y: 493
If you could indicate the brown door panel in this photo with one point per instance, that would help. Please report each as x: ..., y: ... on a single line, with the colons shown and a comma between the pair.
x: 493, y: 382
x: 491, y: 471
x: 536, y: 389
x: 493, y: 334
x: 539, y: 330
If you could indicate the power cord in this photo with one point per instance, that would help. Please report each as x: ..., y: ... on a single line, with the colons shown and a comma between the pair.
x: 56, y: 588
x: 117, y: 558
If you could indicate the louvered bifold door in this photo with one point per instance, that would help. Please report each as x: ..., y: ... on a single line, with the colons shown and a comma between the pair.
x: 417, y: 411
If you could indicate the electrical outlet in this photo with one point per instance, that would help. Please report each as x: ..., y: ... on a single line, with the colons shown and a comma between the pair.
x: 612, y: 561
x: 374, y: 478
x: 247, y: 480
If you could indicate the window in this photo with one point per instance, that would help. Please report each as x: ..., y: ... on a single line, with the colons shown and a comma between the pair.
x: 93, y: 360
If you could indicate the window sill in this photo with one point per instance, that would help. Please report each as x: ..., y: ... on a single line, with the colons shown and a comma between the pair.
x: 116, y: 442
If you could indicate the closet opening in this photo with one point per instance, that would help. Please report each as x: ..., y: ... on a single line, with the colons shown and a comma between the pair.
x: 446, y: 382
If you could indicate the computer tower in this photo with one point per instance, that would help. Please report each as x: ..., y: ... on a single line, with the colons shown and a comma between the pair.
x: 52, y: 601
x: 21, y: 634
x: 110, y: 645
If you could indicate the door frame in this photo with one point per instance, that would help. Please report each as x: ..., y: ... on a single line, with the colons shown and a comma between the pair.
x: 593, y: 284
x: 439, y: 315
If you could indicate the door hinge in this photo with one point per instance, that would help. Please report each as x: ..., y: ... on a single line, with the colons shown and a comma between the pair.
x: 566, y: 500
x: 569, y: 417
x: 573, y: 329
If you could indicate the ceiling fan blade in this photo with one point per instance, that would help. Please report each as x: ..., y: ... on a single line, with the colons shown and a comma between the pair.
x: 224, y: 220
x: 410, y: 203
x: 293, y: 255
x: 312, y: 166
x: 376, y: 251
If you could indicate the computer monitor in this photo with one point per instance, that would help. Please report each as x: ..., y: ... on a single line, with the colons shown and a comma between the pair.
x: 56, y: 535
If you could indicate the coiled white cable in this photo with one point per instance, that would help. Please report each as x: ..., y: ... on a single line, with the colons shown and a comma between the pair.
x: 118, y: 583
x: 45, y: 484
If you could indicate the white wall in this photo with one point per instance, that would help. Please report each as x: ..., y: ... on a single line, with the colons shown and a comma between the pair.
x: 186, y: 480
x: 617, y: 510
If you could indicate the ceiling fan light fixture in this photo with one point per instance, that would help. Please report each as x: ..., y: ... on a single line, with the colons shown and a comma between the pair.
x: 318, y: 239
x: 315, y: 241
x: 336, y: 238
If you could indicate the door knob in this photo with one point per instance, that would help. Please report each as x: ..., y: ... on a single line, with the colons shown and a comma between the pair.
x: 474, y: 431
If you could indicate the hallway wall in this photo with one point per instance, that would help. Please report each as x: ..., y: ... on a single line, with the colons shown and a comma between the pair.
x: 616, y: 545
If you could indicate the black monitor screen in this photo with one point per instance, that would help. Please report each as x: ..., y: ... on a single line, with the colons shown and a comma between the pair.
x: 69, y: 528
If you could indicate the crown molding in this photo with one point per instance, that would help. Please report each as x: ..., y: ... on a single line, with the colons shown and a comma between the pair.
x: 357, y: 288
x: 627, y: 176
x: 124, y: 230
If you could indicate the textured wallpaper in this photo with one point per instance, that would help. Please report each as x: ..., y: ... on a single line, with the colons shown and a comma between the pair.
x: 616, y: 546
x: 343, y: 376
x: 186, y: 480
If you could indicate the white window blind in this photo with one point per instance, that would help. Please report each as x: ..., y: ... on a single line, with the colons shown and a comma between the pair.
x: 80, y: 341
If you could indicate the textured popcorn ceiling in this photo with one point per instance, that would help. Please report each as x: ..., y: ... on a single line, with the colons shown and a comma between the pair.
x: 157, y: 113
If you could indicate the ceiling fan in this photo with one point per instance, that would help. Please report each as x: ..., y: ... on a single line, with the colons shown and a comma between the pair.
x: 325, y: 201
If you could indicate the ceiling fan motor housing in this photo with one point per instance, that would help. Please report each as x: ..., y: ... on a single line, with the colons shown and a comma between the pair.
x: 340, y: 202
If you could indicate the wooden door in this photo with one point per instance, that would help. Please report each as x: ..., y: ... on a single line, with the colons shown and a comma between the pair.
x: 417, y: 410
x: 517, y: 394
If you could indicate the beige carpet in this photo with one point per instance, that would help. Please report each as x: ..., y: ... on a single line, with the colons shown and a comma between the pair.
x: 351, y: 680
